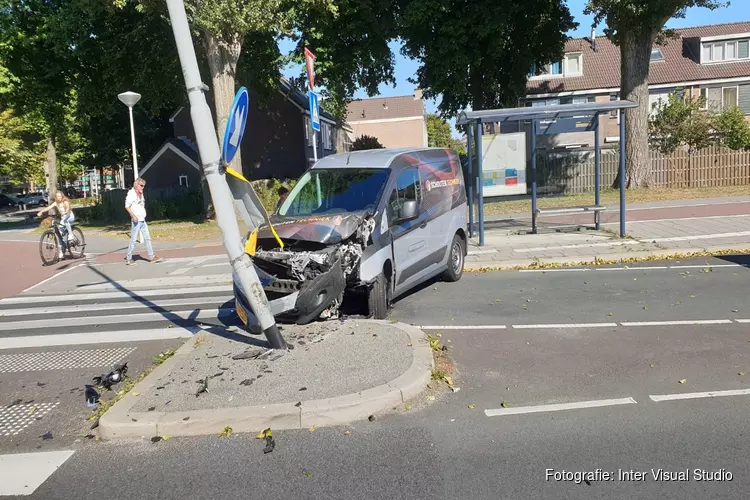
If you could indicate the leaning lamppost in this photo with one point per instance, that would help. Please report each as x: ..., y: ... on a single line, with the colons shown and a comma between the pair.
x: 130, y: 99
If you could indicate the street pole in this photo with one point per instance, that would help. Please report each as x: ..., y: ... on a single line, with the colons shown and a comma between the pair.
x: 132, y: 143
x: 221, y: 196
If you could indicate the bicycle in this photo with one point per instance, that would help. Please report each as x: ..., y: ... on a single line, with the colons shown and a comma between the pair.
x: 54, y: 242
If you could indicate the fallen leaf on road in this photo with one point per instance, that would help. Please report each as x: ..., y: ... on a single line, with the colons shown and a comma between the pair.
x: 165, y: 438
x: 408, y: 345
x: 312, y: 428
x: 645, y: 308
x: 683, y: 380
x: 264, y: 434
x: 407, y: 406
x: 651, y: 366
x: 504, y: 404
x: 449, y: 340
x: 32, y: 410
x: 448, y: 380
x: 308, y: 474
x: 692, y: 296
x: 741, y: 374
x: 455, y: 389
x: 346, y: 433
x: 735, y: 310
x: 430, y: 398
x: 471, y: 406
x: 439, y: 334
x: 497, y: 300
x: 136, y: 394
x: 609, y: 314
x: 226, y: 432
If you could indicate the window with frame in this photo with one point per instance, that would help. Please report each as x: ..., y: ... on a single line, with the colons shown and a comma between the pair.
x: 573, y: 64
x: 657, y: 55
x: 732, y: 50
x: 729, y: 96
x: 327, y: 136
x: 570, y: 65
x: 408, y: 187
x: 184, y: 181
x: 615, y: 113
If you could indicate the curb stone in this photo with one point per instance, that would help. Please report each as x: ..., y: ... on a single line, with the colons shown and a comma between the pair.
x: 122, y: 423
x: 593, y: 260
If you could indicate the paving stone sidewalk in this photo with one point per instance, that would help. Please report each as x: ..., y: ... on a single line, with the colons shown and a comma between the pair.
x: 514, y: 247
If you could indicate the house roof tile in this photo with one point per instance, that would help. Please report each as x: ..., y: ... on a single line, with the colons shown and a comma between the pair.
x: 601, y: 67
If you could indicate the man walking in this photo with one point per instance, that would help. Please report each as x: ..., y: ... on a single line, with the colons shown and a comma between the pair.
x: 135, y: 204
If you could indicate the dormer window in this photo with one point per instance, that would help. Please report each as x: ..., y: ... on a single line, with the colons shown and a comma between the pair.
x: 657, y: 55
x: 571, y: 65
x: 723, y: 51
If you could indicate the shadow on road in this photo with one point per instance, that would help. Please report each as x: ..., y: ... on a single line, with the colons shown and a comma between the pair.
x: 189, y: 323
x: 739, y: 259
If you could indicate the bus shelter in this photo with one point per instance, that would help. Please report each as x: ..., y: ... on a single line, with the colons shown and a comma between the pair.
x: 544, y: 120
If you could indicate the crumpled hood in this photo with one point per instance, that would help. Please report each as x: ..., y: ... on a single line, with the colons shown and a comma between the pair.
x: 325, y: 229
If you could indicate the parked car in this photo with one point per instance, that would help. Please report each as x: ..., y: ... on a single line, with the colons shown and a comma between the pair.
x: 380, y: 222
x: 34, y: 199
x: 9, y: 201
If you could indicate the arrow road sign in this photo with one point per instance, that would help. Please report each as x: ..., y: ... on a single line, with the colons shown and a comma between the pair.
x: 235, y: 126
x: 314, y: 111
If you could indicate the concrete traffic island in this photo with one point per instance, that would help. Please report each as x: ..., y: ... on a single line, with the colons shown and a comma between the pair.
x: 336, y: 372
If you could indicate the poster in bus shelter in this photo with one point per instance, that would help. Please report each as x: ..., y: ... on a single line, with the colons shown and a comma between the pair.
x: 504, y: 164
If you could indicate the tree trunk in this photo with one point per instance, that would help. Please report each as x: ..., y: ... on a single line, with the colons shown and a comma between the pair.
x: 50, y: 167
x: 635, y: 49
x: 222, y: 58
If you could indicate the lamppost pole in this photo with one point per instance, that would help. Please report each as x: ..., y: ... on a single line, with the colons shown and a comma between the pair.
x: 130, y: 99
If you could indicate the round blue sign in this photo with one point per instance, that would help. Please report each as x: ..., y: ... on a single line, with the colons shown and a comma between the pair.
x: 235, y: 126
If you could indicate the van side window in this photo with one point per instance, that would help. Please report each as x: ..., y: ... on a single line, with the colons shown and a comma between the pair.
x: 408, y: 187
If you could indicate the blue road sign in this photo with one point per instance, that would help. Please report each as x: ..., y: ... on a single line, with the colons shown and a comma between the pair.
x: 314, y: 111
x: 235, y: 126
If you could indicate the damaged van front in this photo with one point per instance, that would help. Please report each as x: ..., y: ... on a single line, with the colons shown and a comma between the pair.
x: 326, y: 225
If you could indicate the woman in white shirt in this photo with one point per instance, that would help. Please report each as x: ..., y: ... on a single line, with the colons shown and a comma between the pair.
x: 62, y: 204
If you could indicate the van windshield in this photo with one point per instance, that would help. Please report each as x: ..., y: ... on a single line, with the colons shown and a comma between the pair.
x: 335, y: 190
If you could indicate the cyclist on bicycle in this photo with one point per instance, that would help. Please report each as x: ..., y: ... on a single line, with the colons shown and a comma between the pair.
x: 62, y: 204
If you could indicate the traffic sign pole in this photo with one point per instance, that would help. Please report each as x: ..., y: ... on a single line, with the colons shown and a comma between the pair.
x: 221, y: 196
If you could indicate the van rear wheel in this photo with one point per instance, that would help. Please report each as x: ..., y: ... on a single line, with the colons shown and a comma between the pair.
x: 379, y: 298
x: 455, y: 260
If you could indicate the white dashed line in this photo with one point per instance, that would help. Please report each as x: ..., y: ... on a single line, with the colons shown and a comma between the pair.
x: 702, y: 237
x: 628, y: 268
x: 70, y: 297
x: 500, y: 412
x: 742, y: 321
x: 53, y: 277
x: 462, y: 327
x: 679, y: 323
x: 565, y: 325
x: 697, y: 395
x: 570, y: 247
x: 644, y: 268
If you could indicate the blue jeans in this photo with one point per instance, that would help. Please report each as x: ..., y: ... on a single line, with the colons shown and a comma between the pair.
x: 66, y: 220
x: 139, y: 227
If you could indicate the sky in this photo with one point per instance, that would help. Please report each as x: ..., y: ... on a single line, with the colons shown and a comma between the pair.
x: 739, y: 10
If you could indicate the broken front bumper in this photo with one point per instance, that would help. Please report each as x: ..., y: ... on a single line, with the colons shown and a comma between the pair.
x: 302, y: 302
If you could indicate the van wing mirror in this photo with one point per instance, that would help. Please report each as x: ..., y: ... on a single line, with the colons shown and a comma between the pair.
x: 408, y: 210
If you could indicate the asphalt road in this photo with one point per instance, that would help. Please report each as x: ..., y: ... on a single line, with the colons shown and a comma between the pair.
x: 613, y: 369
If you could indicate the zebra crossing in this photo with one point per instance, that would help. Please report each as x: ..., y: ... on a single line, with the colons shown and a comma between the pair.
x: 132, y: 310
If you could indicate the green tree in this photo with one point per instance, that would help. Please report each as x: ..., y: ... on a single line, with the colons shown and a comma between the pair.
x: 477, y: 53
x: 345, y: 59
x: 635, y: 25
x: 680, y: 122
x: 21, y: 149
x: 438, y: 132
x: 732, y: 128
x: 364, y: 142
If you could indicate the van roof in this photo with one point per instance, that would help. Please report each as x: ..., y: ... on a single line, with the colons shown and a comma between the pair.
x: 374, y: 158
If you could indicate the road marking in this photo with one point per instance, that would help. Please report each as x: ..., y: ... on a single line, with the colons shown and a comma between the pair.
x: 113, y: 337
x: 576, y: 270
x: 742, y: 321
x: 14, y: 419
x: 565, y: 325
x: 568, y: 247
x: 481, y: 252
x: 679, y: 323
x: 696, y: 395
x: 217, y: 264
x: 79, y: 309
x: 70, y: 297
x: 53, y: 277
x: 677, y: 219
x: 500, y: 412
x: 116, y: 319
x: 700, y: 237
x: 165, y: 281
x: 629, y: 268
x: 181, y: 270
x: 171, y: 260
x: 62, y: 360
x: 463, y: 327
x: 22, y: 473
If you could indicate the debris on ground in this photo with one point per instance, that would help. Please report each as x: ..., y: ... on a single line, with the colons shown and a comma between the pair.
x: 92, y: 397
x: 203, y: 386
x: 112, y: 378
x: 226, y: 432
x: 252, y: 354
x: 267, y: 435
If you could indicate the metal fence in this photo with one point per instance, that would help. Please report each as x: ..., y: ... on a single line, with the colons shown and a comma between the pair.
x: 573, y: 172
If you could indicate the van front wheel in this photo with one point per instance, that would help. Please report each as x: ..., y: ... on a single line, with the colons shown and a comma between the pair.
x: 455, y: 260
x: 379, y: 298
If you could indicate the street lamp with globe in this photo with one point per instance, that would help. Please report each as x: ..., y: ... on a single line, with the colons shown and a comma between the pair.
x: 130, y: 99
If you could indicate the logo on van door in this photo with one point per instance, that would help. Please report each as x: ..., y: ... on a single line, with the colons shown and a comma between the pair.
x: 429, y: 185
